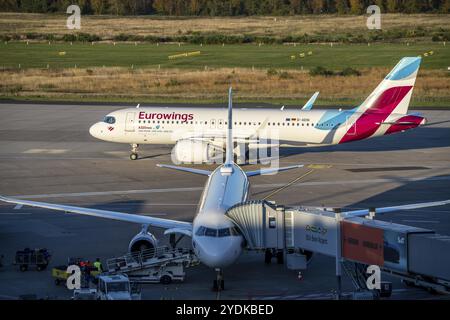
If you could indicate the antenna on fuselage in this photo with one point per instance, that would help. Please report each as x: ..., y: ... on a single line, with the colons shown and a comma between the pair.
x: 227, y: 168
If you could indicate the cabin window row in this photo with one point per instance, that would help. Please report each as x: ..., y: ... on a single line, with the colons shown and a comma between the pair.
x: 273, y: 124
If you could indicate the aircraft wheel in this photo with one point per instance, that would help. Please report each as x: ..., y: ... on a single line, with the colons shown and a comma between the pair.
x: 268, y: 256
x: 218, y: 285
x: 280, y: 257
x: 133, y: 156
x: 165, y: 279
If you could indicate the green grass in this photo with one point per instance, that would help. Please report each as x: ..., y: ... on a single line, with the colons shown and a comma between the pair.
x: 323, y: 103
x: 39, y: 55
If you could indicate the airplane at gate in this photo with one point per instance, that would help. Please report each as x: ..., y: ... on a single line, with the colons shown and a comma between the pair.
x: 216, y: 240
x: 199, y: 133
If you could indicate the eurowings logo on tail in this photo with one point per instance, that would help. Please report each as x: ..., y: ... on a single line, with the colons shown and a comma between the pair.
x: 385, y: 110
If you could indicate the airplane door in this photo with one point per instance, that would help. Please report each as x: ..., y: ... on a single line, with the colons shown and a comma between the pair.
x: 350, y: 126
x: 213, y: 123
x: 129, y: 122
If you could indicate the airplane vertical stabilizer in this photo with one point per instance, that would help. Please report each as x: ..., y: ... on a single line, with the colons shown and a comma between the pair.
x: 229, y: 142
x: 393, y: 94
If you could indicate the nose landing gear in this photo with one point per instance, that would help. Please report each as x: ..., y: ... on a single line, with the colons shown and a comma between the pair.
x: 134, y: 154
x: 219, y: 284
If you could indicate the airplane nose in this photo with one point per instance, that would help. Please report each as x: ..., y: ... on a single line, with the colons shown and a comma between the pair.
x: 95, y: 130
x: 219, y: 252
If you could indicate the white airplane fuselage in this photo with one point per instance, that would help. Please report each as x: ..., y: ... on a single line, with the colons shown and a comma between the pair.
x: 154, y: 125
x: 215, y: 239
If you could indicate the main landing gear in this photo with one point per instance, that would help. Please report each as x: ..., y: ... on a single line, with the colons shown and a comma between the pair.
x: 219, y: 284
x: 134, y: 154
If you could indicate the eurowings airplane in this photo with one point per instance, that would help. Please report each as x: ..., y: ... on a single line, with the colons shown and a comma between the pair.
x: 199, y: 133
x: 216, y: 240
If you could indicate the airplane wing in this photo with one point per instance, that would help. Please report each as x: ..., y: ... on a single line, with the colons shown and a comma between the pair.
x: 270, y: 170
x: 364, y: 212
x: 185, y: 169
x: 310, y: 103
x: 152, y: 221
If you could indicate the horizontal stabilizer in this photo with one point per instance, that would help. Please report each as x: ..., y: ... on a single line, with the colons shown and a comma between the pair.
x: 270, y: 170
x: 184, y: 169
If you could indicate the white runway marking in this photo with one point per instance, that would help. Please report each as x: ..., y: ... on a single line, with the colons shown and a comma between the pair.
x: 46, y: 151
x: 258, y: 186
x: 18, y: 207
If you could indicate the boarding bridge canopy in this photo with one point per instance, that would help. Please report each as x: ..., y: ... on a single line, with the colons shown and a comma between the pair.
x: 267, y: 225
x: 261, y: 224
x: 398, y: 249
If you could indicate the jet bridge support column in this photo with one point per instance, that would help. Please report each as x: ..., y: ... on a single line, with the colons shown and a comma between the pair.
x: 338, y: 253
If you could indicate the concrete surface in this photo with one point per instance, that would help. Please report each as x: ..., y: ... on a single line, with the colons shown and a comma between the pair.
x: 47, y: 154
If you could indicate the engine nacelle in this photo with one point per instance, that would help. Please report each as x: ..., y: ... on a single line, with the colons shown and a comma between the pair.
x: 192, y: 151
x: 143, y: 241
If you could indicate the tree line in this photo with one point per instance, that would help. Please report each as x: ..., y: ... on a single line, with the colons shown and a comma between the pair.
x: 226, y: 7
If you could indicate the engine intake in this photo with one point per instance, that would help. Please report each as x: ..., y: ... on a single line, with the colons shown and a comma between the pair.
x: 143, y: 243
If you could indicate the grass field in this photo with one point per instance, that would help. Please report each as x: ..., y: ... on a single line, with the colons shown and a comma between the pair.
x: 143, y: 72
x: 39, y: 55
x: 108, y: 26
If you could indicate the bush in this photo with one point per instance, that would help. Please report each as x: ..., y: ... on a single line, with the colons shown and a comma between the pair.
x: 272, y: 72
x: 173, y: 83
x: 285, y: 75
x: 347, y: 72
x: 69, y: 38
x: 321, y: 71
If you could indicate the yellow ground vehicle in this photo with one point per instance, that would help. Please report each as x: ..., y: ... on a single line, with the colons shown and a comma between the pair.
x: 60, y: 274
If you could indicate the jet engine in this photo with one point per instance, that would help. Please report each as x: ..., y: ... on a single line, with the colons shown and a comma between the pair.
x: 192, y: 151
x: 141, y: 242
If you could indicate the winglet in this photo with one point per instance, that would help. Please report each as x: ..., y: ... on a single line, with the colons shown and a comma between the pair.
x: 229, y: 143
x: 310, y: 103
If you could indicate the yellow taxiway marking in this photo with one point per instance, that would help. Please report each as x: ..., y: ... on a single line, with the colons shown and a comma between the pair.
x: 313, y: 167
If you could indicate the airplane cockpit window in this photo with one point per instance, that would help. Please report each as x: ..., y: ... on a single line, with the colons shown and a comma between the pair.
x: 200, y: 231
x: 109, y: 119
x: 225, y: 232
x: 210, y: 232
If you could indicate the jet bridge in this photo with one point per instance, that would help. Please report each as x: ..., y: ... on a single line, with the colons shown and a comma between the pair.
x: 418, y: 256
